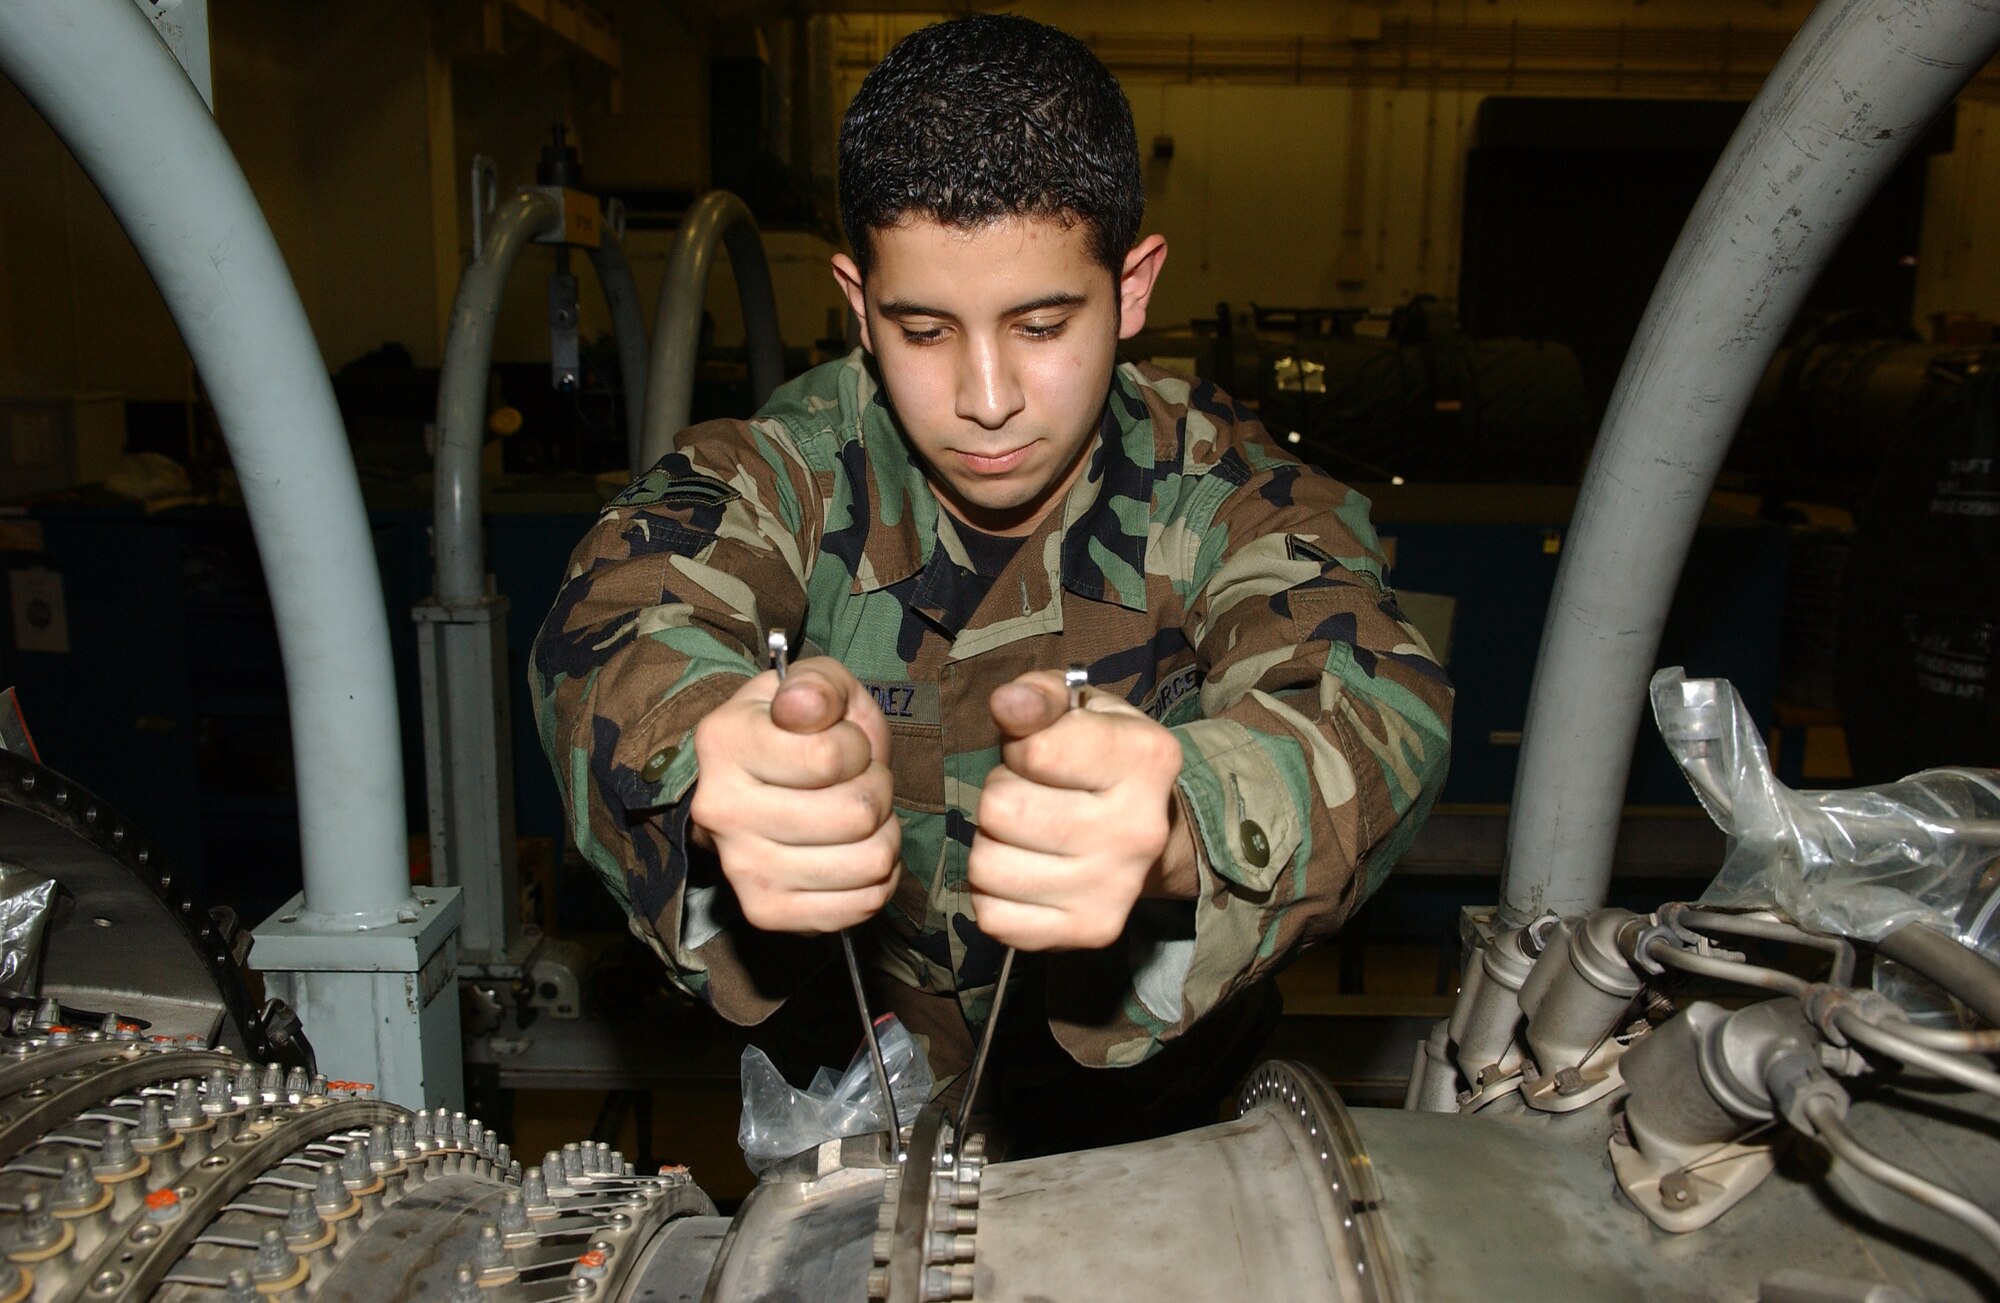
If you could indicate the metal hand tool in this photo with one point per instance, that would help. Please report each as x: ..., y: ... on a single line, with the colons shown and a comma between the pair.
x: 780, y: 648
x: 1076, y: 678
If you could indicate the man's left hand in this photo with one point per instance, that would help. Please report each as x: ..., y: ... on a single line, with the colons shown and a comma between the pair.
x: 1075, y: 824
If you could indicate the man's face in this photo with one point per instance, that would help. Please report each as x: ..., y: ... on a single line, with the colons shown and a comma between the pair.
x: 996, y: 345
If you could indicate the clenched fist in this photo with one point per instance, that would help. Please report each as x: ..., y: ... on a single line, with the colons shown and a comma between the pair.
x: 1074, y: 825
x: 795, y: 798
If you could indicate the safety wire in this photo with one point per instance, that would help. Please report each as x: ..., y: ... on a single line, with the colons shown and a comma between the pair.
x: 1075, y: 679
x: 780, y: 648
x: 1719, y: 1155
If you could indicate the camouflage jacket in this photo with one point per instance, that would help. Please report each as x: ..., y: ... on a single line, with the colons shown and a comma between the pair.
x: 1215, y: 582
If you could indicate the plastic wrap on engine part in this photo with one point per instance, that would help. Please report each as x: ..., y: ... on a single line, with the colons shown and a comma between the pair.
x: 780, y: 1120
x: 27, y: 900
x: 1860, y: 862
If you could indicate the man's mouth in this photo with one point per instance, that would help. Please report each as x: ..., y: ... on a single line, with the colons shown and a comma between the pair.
x: 995, y: 464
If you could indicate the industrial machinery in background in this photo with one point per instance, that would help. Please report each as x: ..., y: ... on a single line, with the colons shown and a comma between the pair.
x: 510, y: 974
x: 1892, y: 609
x: 461, y: 642
x: 1795, y: 1104
x: 1392, y: 396
x: 1839, y: 398
x: 1919, y: 635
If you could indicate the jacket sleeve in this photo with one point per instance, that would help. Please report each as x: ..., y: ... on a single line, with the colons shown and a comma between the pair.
x: 660, y: 619
x: 1321, y: 741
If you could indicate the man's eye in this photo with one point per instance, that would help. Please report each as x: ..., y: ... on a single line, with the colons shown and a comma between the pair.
x: 1042, y: 330
x: 931, y: 336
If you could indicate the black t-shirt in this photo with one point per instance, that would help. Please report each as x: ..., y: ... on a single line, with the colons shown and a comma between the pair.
x: 989, y: 553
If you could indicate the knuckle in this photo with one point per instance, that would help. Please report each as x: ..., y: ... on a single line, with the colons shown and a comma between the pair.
x: 1005, y: 808
x: 762, y: 909
x: 874, y: 797
x: 849, y: 816
x: 874, y: 866
x: 990, y: 913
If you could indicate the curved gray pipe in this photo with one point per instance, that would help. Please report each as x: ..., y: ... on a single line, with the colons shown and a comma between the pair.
x: 461, y: 418
x: 718, y: 217
x: 1957, y: 968
x: 107, y: 85
x: 1852, y: 93
x: 628, y: 327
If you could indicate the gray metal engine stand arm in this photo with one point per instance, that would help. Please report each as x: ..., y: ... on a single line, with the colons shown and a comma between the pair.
x: 1853, y: 92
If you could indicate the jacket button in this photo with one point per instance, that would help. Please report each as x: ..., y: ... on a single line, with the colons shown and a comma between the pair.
x: 657, y: 763
x: 1256, y: 846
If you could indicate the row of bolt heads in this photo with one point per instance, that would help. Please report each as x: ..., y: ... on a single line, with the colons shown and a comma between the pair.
x: 223, y: 1098
x: 949, y: 1246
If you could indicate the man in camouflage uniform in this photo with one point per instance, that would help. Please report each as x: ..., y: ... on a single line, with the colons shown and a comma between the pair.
x: 940, y: 521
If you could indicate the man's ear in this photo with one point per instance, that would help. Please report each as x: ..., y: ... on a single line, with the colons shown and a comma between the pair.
x: 848, y: 277
x: 1135, y: 283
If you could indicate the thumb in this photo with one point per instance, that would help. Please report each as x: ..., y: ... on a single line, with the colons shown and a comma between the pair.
x: 1028, y: 705
x: 807, y: 702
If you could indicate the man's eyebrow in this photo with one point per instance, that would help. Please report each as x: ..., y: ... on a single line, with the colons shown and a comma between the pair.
x: 1060, y: 299
x: 908, y: 308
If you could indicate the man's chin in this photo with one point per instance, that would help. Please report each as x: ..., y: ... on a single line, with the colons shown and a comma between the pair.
x: 997, y: 513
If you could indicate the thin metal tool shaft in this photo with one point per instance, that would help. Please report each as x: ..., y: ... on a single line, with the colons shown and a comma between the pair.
x: 780, y: 648
x: 1076, y: 678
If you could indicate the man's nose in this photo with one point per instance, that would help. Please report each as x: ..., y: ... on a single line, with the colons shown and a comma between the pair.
x: 989, y: 391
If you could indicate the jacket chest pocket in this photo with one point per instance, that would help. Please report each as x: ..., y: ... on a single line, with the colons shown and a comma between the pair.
x: 916, y: 757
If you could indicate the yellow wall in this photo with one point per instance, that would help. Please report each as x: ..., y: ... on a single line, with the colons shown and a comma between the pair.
x: 1959, y: 257
x: 331, y: 118
x: 356, y: 127
x: 80, y: 314
x: 1283, y: 190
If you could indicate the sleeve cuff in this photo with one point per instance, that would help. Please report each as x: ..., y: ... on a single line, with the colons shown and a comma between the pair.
x: 1245, y: 806
x: 652, y: 763
x: 1160, y: 942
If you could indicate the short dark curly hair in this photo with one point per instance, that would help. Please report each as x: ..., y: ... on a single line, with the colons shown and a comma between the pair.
x: 978, y: 119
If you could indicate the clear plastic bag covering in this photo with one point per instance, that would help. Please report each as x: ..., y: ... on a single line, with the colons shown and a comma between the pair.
x: 1860, y: 862
x: 26, y: 902
x: 780, y: 1120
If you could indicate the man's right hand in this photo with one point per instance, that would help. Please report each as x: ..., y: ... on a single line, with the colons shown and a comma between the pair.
x: 794, y: 796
